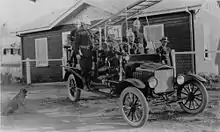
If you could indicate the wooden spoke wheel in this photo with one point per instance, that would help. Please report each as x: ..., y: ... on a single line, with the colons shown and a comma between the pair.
x: 134, y: 107
x: 195, y: 97
x: 73, y: 92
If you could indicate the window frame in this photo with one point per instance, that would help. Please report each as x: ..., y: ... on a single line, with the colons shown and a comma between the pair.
x: 117, y: 31
x: 151, y: 26
x: 36, y: 51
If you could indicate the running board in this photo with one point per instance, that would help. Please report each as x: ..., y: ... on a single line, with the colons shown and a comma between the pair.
x: 102, y: 93
x: 97, y: 84
x: 162, y: 102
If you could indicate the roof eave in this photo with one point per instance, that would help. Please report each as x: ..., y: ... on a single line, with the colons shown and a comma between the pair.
x: 68, y: 12
x: 32, y: 30
x: 55, y: 22
x: 169, y: 11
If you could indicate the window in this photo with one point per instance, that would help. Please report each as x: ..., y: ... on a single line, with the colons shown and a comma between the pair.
x: 8, y: 51
x: 153, y: 34
x: 65, y: 37
x: 207, y: 35
x: 14, y: 51
x: 4, y: 51
x: 41, y: 52
x: 115, y: 32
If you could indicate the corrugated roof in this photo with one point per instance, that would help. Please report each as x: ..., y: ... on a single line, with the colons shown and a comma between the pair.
x: 171, y: 5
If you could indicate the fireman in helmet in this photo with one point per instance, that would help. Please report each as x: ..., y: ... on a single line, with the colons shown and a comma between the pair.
x: 85, y: 51
x: 74, y: 51
x: 139, y: 39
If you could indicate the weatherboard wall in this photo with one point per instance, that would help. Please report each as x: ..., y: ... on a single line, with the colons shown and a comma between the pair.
x: 53, y: 72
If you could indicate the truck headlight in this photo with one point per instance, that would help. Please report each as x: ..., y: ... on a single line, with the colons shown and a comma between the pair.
x: 180, y: 79
x: 152, y: 82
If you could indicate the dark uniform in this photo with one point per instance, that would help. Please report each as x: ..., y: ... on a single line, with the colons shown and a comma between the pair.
x: 164, y: 52
x: 73, y: 43
x: 84, y: 44
x: 139, y: 38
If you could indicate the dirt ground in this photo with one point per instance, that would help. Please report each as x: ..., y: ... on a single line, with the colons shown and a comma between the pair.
x: 51, y: 111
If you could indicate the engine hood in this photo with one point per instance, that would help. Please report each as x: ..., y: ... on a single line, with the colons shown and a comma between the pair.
x: 152, y: 66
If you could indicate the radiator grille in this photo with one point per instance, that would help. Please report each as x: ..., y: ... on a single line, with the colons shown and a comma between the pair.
x: 165, y: 80
x: 142, y: 75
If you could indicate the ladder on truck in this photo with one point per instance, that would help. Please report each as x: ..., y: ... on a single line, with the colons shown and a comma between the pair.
x: 130, y: 11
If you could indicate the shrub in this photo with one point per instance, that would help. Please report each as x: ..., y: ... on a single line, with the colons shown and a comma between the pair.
x: 20, y: 80
x: 210, y: 77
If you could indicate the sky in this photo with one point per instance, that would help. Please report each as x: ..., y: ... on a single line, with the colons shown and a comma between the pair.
x: 19, y: 12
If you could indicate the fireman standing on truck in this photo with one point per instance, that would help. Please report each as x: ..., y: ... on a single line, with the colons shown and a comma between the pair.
x: 164, y: 51
x: 73, y: 44
x: 84, y: 47
x: 139, y: 39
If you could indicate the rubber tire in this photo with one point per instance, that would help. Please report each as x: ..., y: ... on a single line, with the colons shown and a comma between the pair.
x: 77, y: 93
x: 143, y: 101
x: 205, y: 98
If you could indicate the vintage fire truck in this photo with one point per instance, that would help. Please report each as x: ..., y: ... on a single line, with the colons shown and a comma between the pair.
x: 137, y: 79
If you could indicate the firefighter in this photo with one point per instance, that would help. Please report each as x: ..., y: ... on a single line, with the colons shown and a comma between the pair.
x: 139, y: 37
x: 73, y: 43
x: 164, y: 51
x: 85, y: 50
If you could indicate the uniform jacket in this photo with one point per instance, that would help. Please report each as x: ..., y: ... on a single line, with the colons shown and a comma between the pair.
x: 164, y: 52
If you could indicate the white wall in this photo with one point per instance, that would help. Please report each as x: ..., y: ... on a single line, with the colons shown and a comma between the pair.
x: 209, y: 18
x: 11, y: 64
x: 11, y: 59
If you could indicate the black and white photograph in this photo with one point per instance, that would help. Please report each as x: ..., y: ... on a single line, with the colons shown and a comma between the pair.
x: 110, y: 65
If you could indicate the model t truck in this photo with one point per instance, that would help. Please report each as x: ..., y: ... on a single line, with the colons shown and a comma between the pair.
x: 139, y: 79
x: 144, y: 78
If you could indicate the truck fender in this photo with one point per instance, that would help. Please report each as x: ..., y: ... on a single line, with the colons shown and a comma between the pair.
x: 129, y: 82
x: 195, y: 77
x: 135, y: 82
x: 79, y: 80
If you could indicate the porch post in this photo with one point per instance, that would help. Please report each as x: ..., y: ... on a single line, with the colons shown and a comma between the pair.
x: 28, y: 71
x: 63, y: 64
x: 173, y: 55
